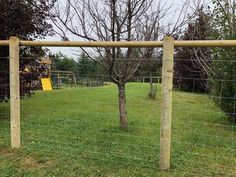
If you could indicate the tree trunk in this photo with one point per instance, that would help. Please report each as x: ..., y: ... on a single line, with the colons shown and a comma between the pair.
x: 151, y: 83
x: 152, y: 91
x: 122, y: 107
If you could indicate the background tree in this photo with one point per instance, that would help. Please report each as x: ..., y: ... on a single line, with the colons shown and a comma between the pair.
x: 224, y: 65
x: 80, y: 66
x: 151, y: 30
x: 87, y: 66
x: 26, y: 19
x: 62, y: 62
x: 149, y: 70
x: 192, y: 65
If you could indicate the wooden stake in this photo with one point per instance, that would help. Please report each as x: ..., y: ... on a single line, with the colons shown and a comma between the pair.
x: 14, y: 92
x: 166, y: 108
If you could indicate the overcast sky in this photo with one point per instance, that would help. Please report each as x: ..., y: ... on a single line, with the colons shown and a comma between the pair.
x: 176, y: 4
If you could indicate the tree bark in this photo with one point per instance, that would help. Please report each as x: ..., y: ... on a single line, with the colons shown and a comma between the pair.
x: 151, y: 82
x: 122, y: 107
x: 152, y: 91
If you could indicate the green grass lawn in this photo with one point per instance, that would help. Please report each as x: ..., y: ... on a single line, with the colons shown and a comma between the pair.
x: 75, y: 132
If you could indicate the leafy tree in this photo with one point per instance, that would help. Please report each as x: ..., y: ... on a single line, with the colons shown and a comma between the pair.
x: 82, y: 66
x: 192, y: 65
x: 26, y: 19
x: 87, y: 66
x: 224, y: 65
x: 63, y: 63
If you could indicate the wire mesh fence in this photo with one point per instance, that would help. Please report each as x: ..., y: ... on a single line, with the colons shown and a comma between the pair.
x: 77, y: 129
x: 4, y: 108
x: 203, y: 132
x: 82, y: 123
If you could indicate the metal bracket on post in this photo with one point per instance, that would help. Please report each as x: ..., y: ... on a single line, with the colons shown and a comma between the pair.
x: 14, y: 91
x: 166, y: 108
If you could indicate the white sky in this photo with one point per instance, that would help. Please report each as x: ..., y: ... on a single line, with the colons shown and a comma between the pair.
x: 69, y: 51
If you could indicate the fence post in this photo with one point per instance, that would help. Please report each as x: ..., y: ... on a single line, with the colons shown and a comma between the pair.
x: 166, y: 108
x: 14, y: 92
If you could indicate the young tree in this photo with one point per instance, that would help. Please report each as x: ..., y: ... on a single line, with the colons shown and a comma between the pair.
x: 26, y: 19
x: 150, y: 69
x: 112, y: 20
x: 224, y: 65
x: 151, y: 31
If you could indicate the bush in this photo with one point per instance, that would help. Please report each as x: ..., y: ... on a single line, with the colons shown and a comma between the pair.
x: 223, y: 81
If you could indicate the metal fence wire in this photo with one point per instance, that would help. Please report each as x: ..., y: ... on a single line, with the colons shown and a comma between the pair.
x: 76, y: 125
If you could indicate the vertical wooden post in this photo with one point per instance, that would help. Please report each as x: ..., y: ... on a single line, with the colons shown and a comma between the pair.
x: 14, y: 92
x: 58, y: 82
x: 75, y: 79
x: 166, y: 108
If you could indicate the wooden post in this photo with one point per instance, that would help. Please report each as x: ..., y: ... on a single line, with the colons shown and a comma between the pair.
x: 58, y: 82
x: 71, y: 81
x: 74, y: 78
x: 14, y: 92
x: 166, y: 108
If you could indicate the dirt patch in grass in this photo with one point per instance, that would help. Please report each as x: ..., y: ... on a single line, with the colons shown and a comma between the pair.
x: 33, y: 162
x: 26, y: 161
x: 6, y: 152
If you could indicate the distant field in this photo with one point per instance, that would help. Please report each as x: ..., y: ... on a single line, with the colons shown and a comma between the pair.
x: 75, y: 132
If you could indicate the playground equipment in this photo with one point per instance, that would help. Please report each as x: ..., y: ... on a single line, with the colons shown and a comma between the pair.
x: 46, y: 84
x: 60, y: 78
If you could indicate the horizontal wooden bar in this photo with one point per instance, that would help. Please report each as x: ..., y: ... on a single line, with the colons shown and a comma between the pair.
x: 4, y: 43
x: 206, y: 43
x: 133, y: 44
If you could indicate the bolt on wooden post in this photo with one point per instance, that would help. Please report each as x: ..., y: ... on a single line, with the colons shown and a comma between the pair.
x: 14, y: 92
x: 166, y: 108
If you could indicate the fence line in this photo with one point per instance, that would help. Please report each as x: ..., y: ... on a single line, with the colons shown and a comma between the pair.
x: 133, y: 44
x: 167, y: 79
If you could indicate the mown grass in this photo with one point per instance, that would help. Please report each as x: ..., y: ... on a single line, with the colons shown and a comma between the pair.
x: 75, y: 132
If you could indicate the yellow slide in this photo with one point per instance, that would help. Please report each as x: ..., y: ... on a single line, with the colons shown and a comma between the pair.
x: 46, y: 84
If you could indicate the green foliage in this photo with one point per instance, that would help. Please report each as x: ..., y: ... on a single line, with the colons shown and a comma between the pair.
x: 82, y: 66
x: 224, y: 18
x: 26, y: 19
x: 224, y: 81
x: 224, y: 65
x: 63, y: 63
x: 88, y: 66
